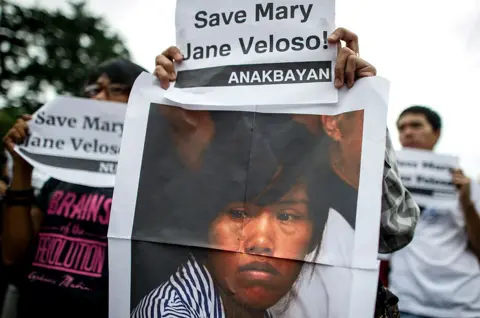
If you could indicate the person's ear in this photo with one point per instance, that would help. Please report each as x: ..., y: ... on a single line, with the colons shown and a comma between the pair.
x: 331, y: 127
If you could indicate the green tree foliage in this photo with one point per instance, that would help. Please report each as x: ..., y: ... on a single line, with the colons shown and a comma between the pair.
x: 44, y: 52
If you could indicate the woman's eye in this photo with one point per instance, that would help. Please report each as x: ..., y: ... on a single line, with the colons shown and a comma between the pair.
x: 237, y: 213
x: 286, y: 216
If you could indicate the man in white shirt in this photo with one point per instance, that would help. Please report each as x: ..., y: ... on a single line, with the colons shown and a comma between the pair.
x: 438, y: 274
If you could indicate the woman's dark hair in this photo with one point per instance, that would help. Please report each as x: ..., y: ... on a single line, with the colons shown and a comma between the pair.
x: 241, y: 166
x: 119, y: 71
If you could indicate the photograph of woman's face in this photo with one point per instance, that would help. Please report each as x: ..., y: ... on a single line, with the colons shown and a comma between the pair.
x: 265, y: 244
x: 249, y: 195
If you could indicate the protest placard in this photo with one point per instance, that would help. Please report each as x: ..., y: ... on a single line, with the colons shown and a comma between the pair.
x: 272, y: 209
x: 427, y: 175
x: 254, y: 53
x: 76, y: 140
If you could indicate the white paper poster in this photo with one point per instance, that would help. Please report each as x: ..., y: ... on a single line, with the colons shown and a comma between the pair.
x: 76, y: 140
x: 248, y: 207
x: 255, y: 52
x: 427, y: 175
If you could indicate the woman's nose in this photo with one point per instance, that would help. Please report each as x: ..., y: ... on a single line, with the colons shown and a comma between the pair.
x: 258, y: 233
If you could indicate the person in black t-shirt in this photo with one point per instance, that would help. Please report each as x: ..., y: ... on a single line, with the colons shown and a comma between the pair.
x: 61, y: 240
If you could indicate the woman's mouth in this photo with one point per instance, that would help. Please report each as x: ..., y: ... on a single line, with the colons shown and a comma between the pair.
x: 258, y: 271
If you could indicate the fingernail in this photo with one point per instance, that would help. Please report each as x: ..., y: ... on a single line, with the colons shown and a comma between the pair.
x: 191, y: 121
x: 332, y: 38
x: 178, y: 56
x: 338, y: 82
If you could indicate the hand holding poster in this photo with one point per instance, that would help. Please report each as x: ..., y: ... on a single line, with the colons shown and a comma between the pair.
x: 267, y: 211
x: 427, y: 175
x: 254, y: 53
x: 76, y: 140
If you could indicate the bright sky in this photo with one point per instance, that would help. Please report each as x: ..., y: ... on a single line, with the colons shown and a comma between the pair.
x: 429, y: 50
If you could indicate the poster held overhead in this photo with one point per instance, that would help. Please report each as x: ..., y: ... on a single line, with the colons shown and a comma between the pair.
x: 254, y: 53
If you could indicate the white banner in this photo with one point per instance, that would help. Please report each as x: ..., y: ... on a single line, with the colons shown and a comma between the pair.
x: 76, y: 140
x: 427, y: 175
x: 254, y: 52
x: 225, y: 200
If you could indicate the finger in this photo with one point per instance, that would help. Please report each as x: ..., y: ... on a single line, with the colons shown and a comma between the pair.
x: 22, y: 133
x: 173, y: 53
x: 340, y: 66
x: 366, y: 74
x: 24, y: 117
x: 15, y: 136
x: 9, y: 143
x: 22, y: 125
x: 350, y: 69
x: 460, y: 180
x: 350, y: 38
x: 162, y: 76
x: 364, y: 69
x: 456, y: 172
x: 167, y: 64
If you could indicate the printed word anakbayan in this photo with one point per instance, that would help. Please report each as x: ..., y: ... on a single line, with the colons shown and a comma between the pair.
x: 279, y: 76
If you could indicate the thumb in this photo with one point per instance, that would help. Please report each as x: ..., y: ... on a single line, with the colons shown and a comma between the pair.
x: 9, y: 144
x: 366, y: 74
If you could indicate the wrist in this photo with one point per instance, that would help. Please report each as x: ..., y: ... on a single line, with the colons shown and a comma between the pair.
x: 22, y: 178
x: 466, y: 203
x: 19, y: 197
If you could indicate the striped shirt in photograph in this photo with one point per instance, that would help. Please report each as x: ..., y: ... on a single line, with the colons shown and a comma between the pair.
x: 189, y: 293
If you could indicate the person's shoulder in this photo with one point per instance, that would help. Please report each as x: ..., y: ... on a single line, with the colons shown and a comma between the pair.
x: 64, y: 185
x: 49, y: 185
x: 165, y: 301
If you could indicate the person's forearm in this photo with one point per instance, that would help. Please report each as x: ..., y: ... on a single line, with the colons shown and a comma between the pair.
x: 472, y: 220
x: 17, y: 221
